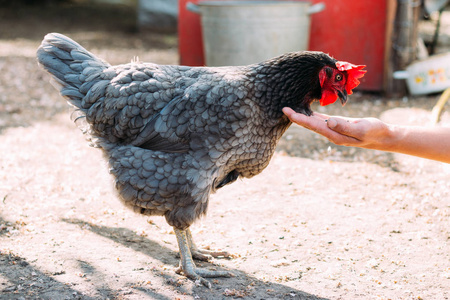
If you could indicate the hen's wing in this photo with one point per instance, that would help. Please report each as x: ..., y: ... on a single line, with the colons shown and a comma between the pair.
x: 169, y: 108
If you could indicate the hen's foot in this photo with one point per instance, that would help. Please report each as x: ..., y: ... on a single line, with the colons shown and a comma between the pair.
x: 187, y: 266
x: 199, y: 275
x: 204, y: 254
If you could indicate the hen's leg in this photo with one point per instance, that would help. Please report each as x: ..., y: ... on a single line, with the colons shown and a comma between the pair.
x: 203, y: 254
x: 187, y: 266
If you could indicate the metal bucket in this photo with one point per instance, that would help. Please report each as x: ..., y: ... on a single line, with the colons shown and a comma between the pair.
x: 245, y: 32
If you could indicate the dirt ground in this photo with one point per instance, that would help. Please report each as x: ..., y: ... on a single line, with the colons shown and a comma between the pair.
x: 321, y: 222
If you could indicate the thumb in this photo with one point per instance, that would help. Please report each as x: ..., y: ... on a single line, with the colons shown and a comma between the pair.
x: 332, y: 123
x: 340, y: 125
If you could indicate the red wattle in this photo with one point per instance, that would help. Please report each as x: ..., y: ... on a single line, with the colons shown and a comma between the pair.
x: 328, y: 98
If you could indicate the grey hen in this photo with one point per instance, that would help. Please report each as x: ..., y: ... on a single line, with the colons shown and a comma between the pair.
x: 175, y: 134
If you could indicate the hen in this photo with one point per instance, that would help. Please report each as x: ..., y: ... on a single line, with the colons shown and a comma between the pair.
x: 175, y: 134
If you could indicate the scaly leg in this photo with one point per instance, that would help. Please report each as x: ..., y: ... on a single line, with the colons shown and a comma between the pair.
x: 203, y: 254
x: 187, y: 265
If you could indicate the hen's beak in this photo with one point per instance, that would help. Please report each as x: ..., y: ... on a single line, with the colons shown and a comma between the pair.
x: 342, y: 96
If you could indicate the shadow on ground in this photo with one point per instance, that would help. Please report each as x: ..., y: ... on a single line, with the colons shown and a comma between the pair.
x: 130, y: 239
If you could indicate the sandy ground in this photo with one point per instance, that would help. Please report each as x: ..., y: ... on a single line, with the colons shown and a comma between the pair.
x: 321, y: 222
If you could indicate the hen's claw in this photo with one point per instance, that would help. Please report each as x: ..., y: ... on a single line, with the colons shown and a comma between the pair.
x: 207, y: 255
x: 187, y: 266
x: 204, y: 254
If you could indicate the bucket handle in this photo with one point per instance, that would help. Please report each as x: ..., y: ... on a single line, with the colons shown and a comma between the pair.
x: 311, y: 10
x: 316, y: 8
x: 193, y: 8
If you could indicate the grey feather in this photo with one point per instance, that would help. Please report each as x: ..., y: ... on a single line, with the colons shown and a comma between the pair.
x: 72, y: 93
x: 80, y: 55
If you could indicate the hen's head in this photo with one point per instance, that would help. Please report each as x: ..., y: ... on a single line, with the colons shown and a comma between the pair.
x: 297, y: 79
x: 338, y: 81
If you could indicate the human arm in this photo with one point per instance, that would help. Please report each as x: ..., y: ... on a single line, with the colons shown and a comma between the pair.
x: 371, y: 133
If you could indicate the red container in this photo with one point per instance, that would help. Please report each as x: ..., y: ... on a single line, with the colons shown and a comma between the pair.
x: 348, y: 30
x: 190, y: 41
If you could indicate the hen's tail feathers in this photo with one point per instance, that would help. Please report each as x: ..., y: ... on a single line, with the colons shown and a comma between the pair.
x: 74, y: 70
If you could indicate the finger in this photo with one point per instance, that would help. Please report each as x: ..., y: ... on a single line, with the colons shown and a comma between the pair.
x: 288, y: 111
x: 301, y: 119
x: 312, y: 123
x: 321, y: 116
x: 326, y: 117
x: 294, y: 116
x: 344, y: 127
x: 324, y: 129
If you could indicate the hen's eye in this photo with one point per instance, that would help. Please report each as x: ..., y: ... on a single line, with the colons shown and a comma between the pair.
x: 338, y: 77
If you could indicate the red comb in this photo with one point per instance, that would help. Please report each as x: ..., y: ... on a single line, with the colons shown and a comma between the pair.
x: 354, y: 72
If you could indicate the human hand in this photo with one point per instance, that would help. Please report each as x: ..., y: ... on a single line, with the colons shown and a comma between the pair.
x: 368, y: 133
x: 371, y: 133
